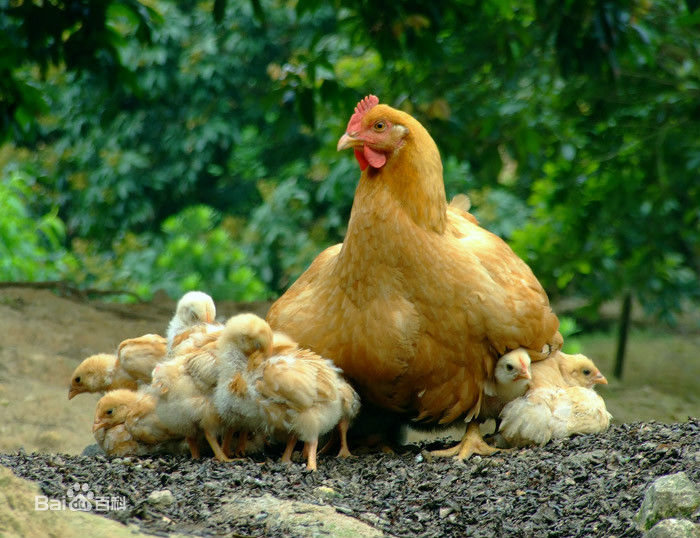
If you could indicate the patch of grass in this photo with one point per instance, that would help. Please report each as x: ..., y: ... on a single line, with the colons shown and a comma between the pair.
x: 661, y: 378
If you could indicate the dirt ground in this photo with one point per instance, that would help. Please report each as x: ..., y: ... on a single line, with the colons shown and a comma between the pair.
x: 43, y: 337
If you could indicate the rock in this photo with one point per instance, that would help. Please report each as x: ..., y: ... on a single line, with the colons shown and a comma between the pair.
x: 161, y: 498
x: 295, y: 518
x: 19, y: 515
x: 674, y: 528
x: 93, y: 450
x: 668, y: 496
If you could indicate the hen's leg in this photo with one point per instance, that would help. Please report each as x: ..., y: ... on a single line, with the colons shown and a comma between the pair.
x: 471, y: 443
x: 343, y: 426
x: 287, y: 455
x: 311, y: 456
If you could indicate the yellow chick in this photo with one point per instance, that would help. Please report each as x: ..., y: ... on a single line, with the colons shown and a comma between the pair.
x: 297, y: 392
x: 560, y: 403
x: 99, y: 373
x: 184, y: 387
x: 139, y: 430
x: 129, y: 368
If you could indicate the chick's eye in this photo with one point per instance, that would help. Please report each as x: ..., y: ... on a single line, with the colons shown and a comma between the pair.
x: 586, y: 371
x: 109, y: 411
x: 77, y: 379
x: 509, y: 367
x: 379, y: 126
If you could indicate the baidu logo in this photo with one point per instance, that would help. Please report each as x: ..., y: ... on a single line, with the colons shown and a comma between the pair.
x: 79, y: 497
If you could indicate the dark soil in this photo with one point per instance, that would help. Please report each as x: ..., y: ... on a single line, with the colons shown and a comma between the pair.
x: 584, y: 486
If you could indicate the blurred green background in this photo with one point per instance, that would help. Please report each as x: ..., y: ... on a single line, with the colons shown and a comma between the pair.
x: 177, y: 145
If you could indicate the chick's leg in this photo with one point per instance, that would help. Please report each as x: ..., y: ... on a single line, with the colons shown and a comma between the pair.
x: 343, y: 426
x: 242, y: 443
x: 214, y: 444
x: 471, y: 443
x: 226, y: 442
x: 194, y: 447
x: 311, y: 454
x: 287, y: 455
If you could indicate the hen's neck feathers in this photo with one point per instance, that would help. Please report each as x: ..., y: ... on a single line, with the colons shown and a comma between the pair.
x: 410, y: 183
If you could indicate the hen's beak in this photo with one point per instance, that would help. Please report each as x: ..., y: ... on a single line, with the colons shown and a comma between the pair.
x: 600, y: 378
x: 73, y: 392
x: 98, y: 425
x: 348, y: 141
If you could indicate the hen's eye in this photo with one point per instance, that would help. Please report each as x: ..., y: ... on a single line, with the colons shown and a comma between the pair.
x: 379, y: 126
x: 77, y: 379
x: 586, y: 371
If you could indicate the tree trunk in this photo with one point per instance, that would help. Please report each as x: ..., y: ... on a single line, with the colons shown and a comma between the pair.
x: 625, y: 316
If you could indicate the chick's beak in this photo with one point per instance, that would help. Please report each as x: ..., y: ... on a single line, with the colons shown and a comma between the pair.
x: 600, y: 378
x: 348, y: 141
x: 98, y: 425
x: 524, y: 374
x: 73, y: 391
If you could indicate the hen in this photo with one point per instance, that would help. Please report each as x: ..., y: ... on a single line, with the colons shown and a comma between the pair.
x: 419, y: 302
x: 296, y: 392
x: 560, y: 403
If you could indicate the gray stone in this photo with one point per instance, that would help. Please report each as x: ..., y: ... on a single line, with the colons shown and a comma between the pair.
x: 161, y: 498
x: 668, y: 496
x: 295, y: 518
x: 674, y: 528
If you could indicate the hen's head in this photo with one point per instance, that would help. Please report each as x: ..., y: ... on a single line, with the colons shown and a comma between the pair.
x: 579, y: 370
x: 113, y: 408
x: 377, y: 132
x: 92, y: 375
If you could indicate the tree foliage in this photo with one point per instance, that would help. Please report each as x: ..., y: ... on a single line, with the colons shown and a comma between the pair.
x: 207, y: 157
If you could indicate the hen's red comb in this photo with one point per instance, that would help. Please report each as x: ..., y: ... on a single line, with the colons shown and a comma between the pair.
x: 361, y: 109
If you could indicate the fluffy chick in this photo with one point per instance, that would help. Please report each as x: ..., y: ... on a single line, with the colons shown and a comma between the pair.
x: 184, y: 387
x: 560, y: 403
x: 99, y: 373
x: 298, y: 392
x: 138, y: 356
x: 128, y: 369
x: 512, y: 378
x: 138, y: 428
x: 195, y: 310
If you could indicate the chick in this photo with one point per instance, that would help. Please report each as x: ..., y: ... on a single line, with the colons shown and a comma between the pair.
x: 184, y: 387
x: 99, y: 373
x: 297, y: 392
x: 129, y: 368
x: 560, y: 403
x: 195, y: 314
x: 138, y: 428
x: 512, y: 378
x: 138, y: 356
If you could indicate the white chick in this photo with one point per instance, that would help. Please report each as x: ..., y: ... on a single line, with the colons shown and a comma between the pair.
x: 560, y: 403
x: 298, y: 392
x: 195, y: 314
x: 512, y: 378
